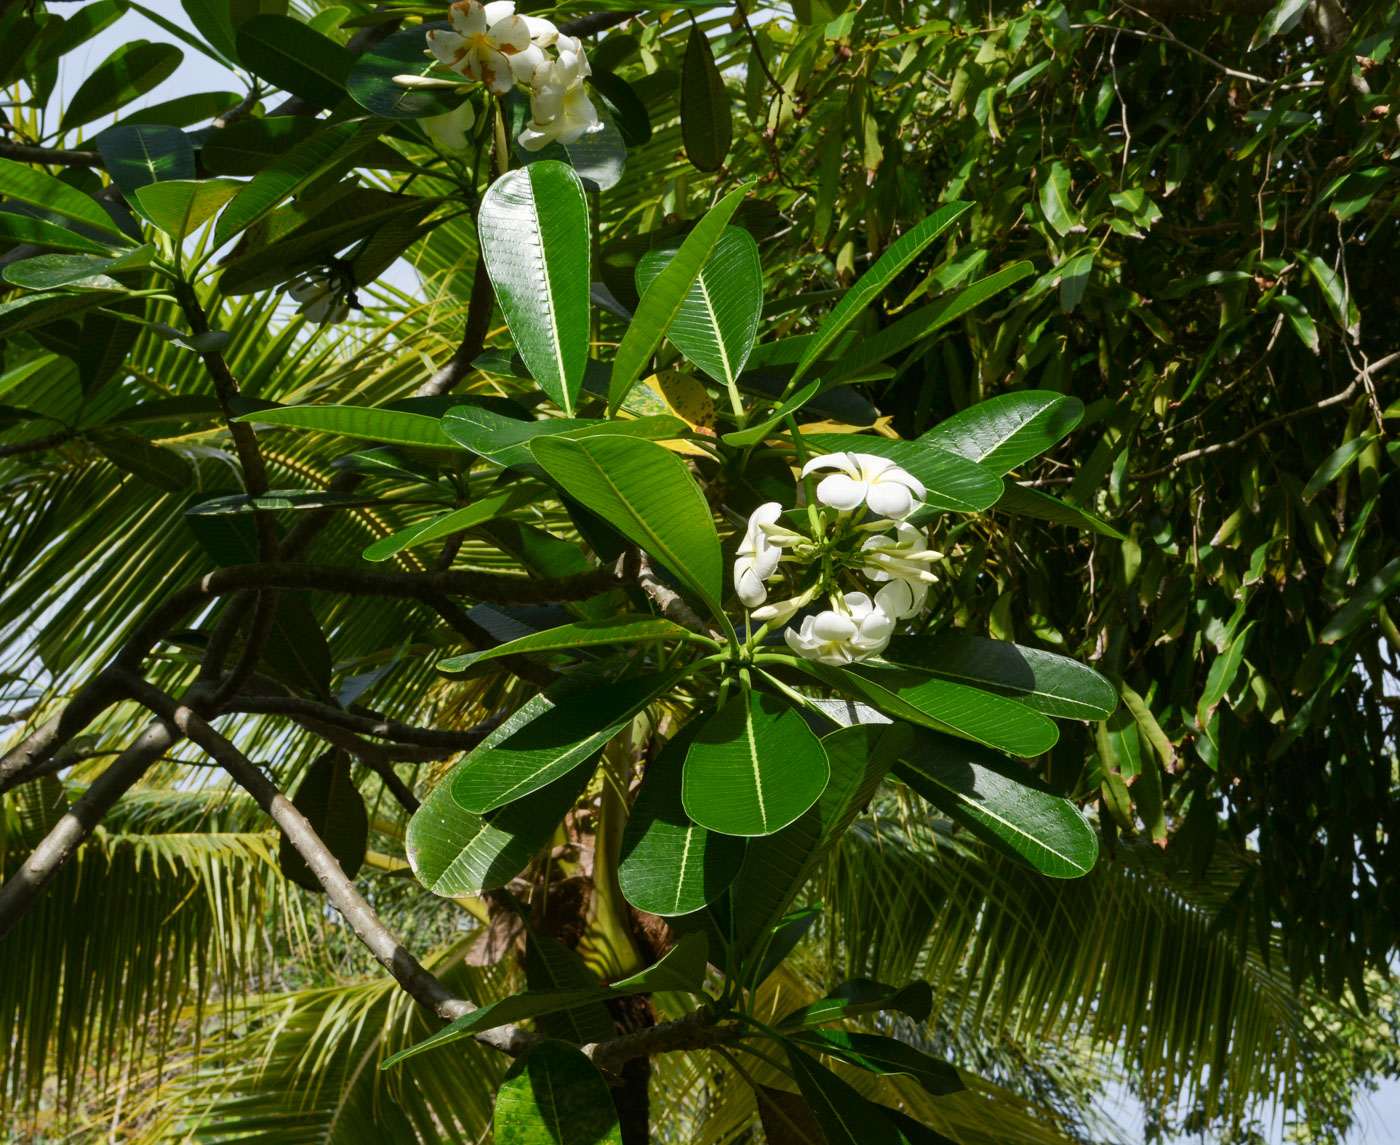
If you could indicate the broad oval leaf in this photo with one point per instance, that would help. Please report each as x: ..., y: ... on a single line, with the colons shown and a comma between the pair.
x: 36, y: 189
x: 47, y: 271
x: 648, y: 495
x: 862, y: 996
x: 707, y: 126
x: 296, y: 58
x: 137, y: 156
x: 394, y: 427
x: 845, y: 1116
x: 753, y: 767
x: 1002, y: 803
x: 533, y: 227
x: 467, y: 517
x: 670, y: 865
x: 181, y: 206
x: 553, y: 1095
x: 371, y: 80
x: 942, y: 704
x: 552, y: 744
x: 1023, y: 501
x: 880, y: 1054
x: 951, y: 481
x: 1009, y: 429
x: 130, y: 71
x: 874, y: 280
x: 336, y: 812
x: 156, y: 465
x: 664, y: 298
x: 628, y: 628
x: 1368, y: 595
x: 1045, y: 681
x: 718, y: 319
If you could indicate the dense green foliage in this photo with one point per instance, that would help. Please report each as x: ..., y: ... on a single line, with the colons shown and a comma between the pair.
x: 1107, y: 287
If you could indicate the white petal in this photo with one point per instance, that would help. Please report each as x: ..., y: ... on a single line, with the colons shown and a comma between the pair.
x: 542, y: 31
x: 799, y: 643
x: 532, y: 138
x: 511, y: 32
x: 840, y: 492
x: 448, y: 47
x: 832, y: 626
x: 840, y: 461
x: 780, y: 613
x: 871, y: 465
x: 748, y: 585
x: 896, y: 599
x: 524, y: 62
x: 496, y: 72
x: 858, y: 605
x: 469, y: 18
x: 498, y: 10
x: 888, y: 499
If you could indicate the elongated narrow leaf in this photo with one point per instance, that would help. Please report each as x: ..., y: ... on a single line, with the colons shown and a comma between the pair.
x: 1335, y: 464
x: 551, y: 965
x: 553, y: 1095
x: 296, y: 651
x: 371, y: 80
x: 707, y: 126
x: 868, y: 287
x: 918, y: 325
x: 757, y: 432
x: 167, y: 470
x: 137, y: 156
x: 943, y: 705
x: 130, y: 71
x: 718, y: 319
x: 1369, y: 593
x: 47, y: 271
x: 1045, y: 681
x: 279, y: 499
x: 394, y: 427
x: 670, y: 865
x: 1025, y: 502
x: 862, y: 996
x: 1001, y: 803
x: 951, y: 481
x: 336, y: 812
x: 1002, y: 432
x: 296, y: 58
x: 754, y: 767
x: 665, y: 297
x: 506, y: 440
x: 535, y: 239
x: 649, y: 496
x: 469, y: 516
x: 628, y: 628
x: 845, y: 1116
x: 682, y: 969
x: 16, y: 228
x: 181, y: 206
x: 34, y: 188
x: 290, y: 172
x: 35, y: 310
x: 553, y: 744
x: 880, y: 1054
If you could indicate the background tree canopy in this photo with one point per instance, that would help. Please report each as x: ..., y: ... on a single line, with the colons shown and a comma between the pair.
x: 282, y: 517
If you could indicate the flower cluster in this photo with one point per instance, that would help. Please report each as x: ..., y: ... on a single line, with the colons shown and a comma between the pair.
x: 891, y: 554
x: 489, y: 43
x: 323, y: 296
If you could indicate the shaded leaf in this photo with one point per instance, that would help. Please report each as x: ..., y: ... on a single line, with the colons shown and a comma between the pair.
x: 336, y: 812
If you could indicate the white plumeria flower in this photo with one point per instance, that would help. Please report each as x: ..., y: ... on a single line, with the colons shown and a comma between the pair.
x: 560, y: 109
x: 902, y: 560
x: 865, y: 479
x: 759, y: 552
x: 323, y: 297
x: 450, y: 129
x: 781, y: 612
x: 490, y: 43
x: 861, y: 628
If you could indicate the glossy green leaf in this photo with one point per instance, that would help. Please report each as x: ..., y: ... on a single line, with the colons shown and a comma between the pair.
x: 295, y: 58
x: 868, y: 287
x: 626, y: 628
x: 717, y: 321
x: 1369, y: 593
x: 181, y: 206
x: 879, y: 1054
x: 754, y: 767
x: 862, y: 996
x: 558, y: 740
x: 1009, y: 429
x: 163, y: 468
x: 246, y: 147
x: 290, y: 172
x: 1001, y: 803
x: 17, y: 229
x: 628, y: 111
x: 919, y: 324
x: 214, y: 21
x: 551, y: 965
x: 137, y: 156
x: 1334, y: 291
x: 760, y: 430
x: 47, y: 271
x: 951, y: 481
x: 34, y: 188
x: 533, y: 227
x: 845, y: 1116
x: 1282, y: 17
x: 336, y: 812
x: 1336, y: 464
x: 665, y: 297
x: 670, y: 865
x: 296, y: 651
x: 34, y: 310
x: 1045, y: 681
x: 647, y: 494
x: 553, y: 1095
x: 197, y: 107
x: 942, y: 704
x: 129, y: 72
x: 1056, y: 199
x: 1074, y: 280
x: 1025, y: 502
x: 394, y: 427
x: 371, y: 80
x: 469, y: 516
x: 681, y: 969
x: 506, y: 440
x: 279, y: 499
x: 707, y: 126
x: 1296, y: 311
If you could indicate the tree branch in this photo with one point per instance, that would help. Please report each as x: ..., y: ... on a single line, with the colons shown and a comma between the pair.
x: 36, y: 444
x: 52, y: 156
x: 669, y: 601
x: 294, y: 706
x: 89, y: 702
x: 479, y: 309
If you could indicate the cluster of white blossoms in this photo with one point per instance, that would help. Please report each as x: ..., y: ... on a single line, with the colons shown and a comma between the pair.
x: 489, y: 43
x: 891, y: 554
x: 323, y: 296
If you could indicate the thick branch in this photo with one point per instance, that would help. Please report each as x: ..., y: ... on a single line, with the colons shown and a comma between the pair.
x: 479, y: 309
x: 90, y: 701
x: 673, y: 607
x: 36, y: 444
x: 54, y: 156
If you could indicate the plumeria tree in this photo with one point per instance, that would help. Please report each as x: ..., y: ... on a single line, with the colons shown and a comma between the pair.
x: 637, y: 531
